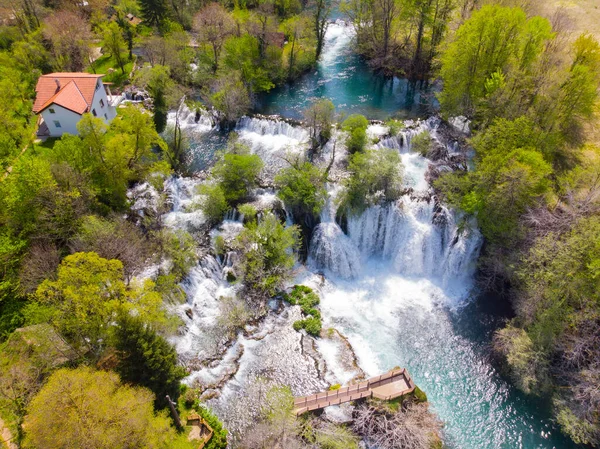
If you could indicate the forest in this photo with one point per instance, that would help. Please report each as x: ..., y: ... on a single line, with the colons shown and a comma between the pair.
x: 90, y: 285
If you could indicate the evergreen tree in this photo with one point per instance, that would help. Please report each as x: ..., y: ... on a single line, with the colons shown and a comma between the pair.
x: 153, y: 11
x: 147, y: 359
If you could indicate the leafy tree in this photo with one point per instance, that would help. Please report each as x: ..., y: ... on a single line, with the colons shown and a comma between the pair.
x: 237, y: 173
x: 356, y: 126
x: 96, y: 412
x: 301, y: 187
x: 15, y: 124
x: 214, y: 204
x: 267, y: 257
x: 242, y: 54
x: 214, y: 24
x: 147, y: 359
x: 158, y: 81
x: 488, y: 45
x: 321, y: 12
x: 88, y: 293
x: 510, y: 176
x: 375, y: 177
x: 231, y: 98
x: 112, y: 40
x: 319, y: 117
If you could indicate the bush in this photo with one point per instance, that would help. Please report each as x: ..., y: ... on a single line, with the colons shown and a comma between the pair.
x: 376, y: 177
x: 237, y: 173
x: 219, y: 438
x: 356, y: 126
x: 312, y: 325
x: 421, y: 143
x: 214, y: 204
x: 306, y: 298
x: 302, y: 189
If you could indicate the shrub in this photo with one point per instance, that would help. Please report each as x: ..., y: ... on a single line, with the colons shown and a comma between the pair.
x: 356, y: 126
x: 421, y: 143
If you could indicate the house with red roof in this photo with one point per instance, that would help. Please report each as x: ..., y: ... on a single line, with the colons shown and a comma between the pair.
x: 62, y: 98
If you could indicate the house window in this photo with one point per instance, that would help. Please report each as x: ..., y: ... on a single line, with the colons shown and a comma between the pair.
x: 94, y: 113
x: 98, y: 85
x: 106, y: 116
x: 52, y: 111
x: 56, y: 124
x: 101, y: 103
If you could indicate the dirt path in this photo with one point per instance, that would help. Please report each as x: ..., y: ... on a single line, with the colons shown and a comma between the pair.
x: 6, y: 436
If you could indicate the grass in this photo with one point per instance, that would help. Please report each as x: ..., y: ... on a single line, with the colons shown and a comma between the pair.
x: 105, y: 62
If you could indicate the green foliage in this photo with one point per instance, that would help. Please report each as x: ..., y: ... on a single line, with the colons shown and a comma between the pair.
x: 307, y: 299
x: 319, y: 117
x: 237, y: 173
x: 267, y: 257
x: 88, y: 293
x: 180, y: 248
x: 248, y: 211
x: 511, y: 174
x: 302, y: 188
x: 376, y: 176
x: 356, y: 126
x: 154, y: 11
x: 219, y: 438
x: 147, y: 359
x: 231, y: 97
x: 16, y: 124
x: 96, y: 410
x: 214, y: 204
x: 494, y: 40
x: 158, y: 82
x: 242, y: 54
x: 312, y: 325
x: 421, y: 143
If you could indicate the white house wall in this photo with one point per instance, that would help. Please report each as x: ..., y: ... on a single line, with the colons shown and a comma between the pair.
x: 100, y: 94
x: 68, y: 120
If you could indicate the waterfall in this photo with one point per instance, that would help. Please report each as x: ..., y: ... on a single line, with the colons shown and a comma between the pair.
x: 266, y: 136
x: 181, y: 195
x: 200, y: 122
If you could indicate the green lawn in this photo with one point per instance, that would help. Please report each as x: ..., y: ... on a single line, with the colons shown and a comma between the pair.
x: 105, y: 62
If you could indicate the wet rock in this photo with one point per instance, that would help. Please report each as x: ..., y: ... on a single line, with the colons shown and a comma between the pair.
x: 190, y: 313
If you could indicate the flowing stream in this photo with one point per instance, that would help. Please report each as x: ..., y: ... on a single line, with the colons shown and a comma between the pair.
x: 397, y: 286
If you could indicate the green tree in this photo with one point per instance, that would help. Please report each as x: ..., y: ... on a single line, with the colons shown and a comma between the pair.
x: 113, y: 42
x: 267, y: 257
x: 302, y: 188
x: 154, y: 12
x: 231, y: 98
x: 493, y: 41
x: 356, y: 126
x: 214, y: 204
x: 237, y: 173
x: 319, y: 117
x: 96, y: 412
x: 86, y: 296
x: 147, y: 359
x: 376, y: 176
x: 158, y: 81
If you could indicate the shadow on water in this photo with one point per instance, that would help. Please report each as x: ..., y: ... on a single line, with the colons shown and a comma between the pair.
x: 475, y: 323
x: 345, y: 78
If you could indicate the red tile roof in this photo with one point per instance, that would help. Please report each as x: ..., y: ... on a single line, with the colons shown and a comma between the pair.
x: 73, y: 91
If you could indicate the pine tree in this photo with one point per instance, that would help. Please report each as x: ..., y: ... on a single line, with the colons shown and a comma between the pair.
x: 147, y: 359
x: 154, y: 11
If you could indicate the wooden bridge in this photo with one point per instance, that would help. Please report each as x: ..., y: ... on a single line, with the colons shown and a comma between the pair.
x: 388, y: 386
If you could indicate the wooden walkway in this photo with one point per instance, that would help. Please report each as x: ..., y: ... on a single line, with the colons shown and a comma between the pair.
x: 388, y: 386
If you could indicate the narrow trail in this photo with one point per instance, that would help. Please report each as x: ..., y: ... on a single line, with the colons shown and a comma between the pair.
x: 6, y: 436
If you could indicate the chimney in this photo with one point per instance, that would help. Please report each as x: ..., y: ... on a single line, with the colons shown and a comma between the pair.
x: 56, y: 80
